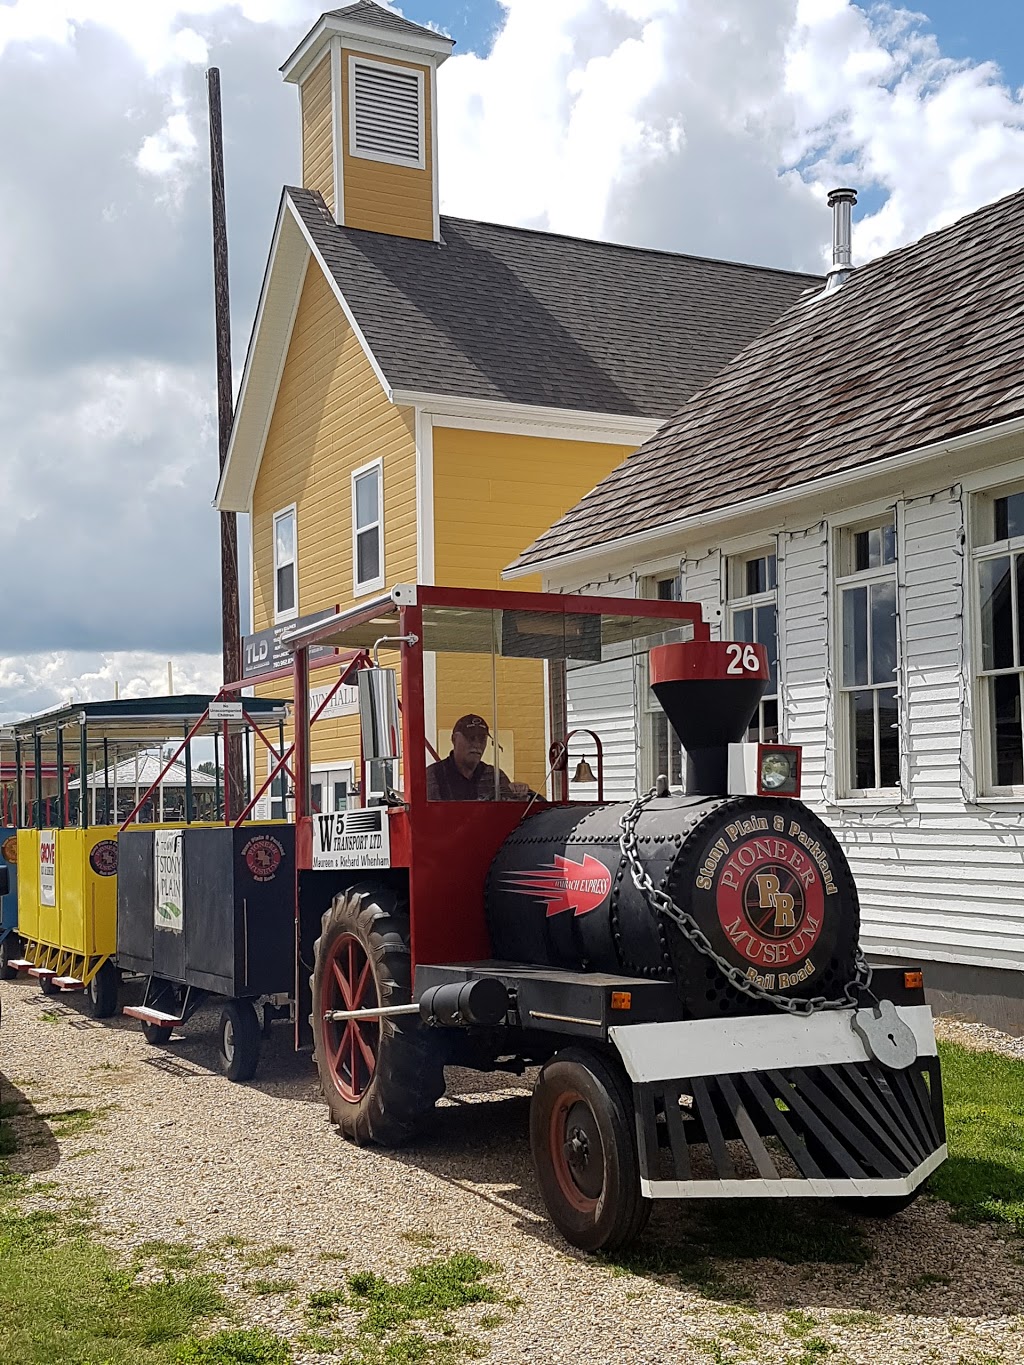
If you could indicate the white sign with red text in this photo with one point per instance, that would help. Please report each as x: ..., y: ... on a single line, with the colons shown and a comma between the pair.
x: 47, y: 867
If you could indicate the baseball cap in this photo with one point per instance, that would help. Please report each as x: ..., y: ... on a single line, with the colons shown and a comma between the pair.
x: 471, y: 722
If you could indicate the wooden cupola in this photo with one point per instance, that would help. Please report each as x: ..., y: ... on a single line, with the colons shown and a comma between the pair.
x: 367, y: 83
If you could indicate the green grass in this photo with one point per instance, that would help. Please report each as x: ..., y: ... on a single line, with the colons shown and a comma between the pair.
x: 983, y: 1180
x: 260, y: 1258
x: 406, y: 1322
x: 66, y: 1299
x: 264, y: 1288
x: 71, y: 1122
x: 249, y: 1346
x: 168, y: 1255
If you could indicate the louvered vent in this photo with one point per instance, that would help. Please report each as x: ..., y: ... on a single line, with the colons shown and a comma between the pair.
x: 387, y: 116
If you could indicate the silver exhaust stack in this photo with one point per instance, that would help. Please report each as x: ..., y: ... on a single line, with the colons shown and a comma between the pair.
x: 841, y: 202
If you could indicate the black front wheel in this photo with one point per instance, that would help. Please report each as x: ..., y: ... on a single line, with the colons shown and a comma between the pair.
x: 9, y: 950
x: 584, y: 1150
x: 156, y: 1033
x: 102, y: 991
x: 240, y: 1039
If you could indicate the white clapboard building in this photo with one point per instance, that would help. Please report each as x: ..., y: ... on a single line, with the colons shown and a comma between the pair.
x: 850, y: 492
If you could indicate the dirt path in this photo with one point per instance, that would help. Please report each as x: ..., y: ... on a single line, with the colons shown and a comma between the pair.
x: 169, y: 1150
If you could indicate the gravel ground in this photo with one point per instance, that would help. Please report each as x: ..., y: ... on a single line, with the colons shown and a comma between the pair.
x: 181, y: 1154
x: 979, y: 1036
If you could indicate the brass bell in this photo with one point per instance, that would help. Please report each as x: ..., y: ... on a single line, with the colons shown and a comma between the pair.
x: 584, y: 772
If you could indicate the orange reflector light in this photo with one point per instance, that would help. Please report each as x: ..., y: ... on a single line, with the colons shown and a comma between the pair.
x: 622, y: 1000
x: 913, y: 980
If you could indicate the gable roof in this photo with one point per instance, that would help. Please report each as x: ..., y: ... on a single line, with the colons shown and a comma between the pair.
x: 503, y: 315
x: 375, y: 16
x: 519, y: 316
x: 917, y: 347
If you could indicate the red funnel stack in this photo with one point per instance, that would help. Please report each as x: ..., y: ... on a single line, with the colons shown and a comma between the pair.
x: 709, y: 689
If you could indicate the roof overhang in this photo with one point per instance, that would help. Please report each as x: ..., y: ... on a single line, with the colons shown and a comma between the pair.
x: 290, y: 253
x: 647, y: 544
x: 433, y: 49
x: 497, y: 414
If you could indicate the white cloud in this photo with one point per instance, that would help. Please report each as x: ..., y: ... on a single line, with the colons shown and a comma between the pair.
x: 709, y: 126
x: 32, y: 683
x: 717, y: 128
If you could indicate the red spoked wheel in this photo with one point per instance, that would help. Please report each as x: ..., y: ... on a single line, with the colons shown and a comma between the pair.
x: 351, y: 1044
x: 379, y: 1076
x: 584, y: 1150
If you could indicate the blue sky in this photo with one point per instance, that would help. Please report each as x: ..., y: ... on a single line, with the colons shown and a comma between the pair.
x: 982, y: 30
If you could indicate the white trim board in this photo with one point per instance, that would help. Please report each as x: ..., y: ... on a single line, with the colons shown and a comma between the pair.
x: 283, y: 281
x: 724, y: 1047
x: 425, y: 48
x: 336, y: 132
x: 424, y: 428
x: 524, y: 419
x: 788, y: 1188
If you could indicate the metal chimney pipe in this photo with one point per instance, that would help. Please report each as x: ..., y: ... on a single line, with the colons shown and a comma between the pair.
x: 841, y: 202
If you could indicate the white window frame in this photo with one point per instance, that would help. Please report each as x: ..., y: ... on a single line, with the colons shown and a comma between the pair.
x: 649, y: 707
x: 982, y: 550
x: 290, y: 613
x: 420, y: 163
x: 750, y: 602
x: 842, y: 535
x: 360, y: 586
x: 344, y: 768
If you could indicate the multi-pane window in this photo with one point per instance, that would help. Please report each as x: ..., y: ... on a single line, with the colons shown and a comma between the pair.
x: 868, y: 683
x: 666, y: 752
x: 753, y: 615
x: 367, y: 534
x: 999, y: 535
x: 285, y: 595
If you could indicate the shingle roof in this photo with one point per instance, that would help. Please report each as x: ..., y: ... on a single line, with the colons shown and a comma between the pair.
x: 375, y: 16
x: 531, y: 317
x: 916, y: 347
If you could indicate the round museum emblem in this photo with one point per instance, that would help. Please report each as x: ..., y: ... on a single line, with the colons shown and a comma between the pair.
x: 263, y: 855
x: 103, y: 858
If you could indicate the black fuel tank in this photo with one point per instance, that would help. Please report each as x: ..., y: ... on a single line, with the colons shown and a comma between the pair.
x: 765, y: 880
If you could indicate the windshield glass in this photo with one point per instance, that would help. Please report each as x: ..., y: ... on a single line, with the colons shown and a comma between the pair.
x: 504, y: 689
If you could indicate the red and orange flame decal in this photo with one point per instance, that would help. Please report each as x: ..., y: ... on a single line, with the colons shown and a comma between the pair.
x: 565, y: 885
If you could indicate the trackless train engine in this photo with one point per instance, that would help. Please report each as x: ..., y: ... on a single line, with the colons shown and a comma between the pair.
x: 685, y: 970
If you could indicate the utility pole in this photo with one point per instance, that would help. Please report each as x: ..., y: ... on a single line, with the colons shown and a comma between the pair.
x: 231, y: 644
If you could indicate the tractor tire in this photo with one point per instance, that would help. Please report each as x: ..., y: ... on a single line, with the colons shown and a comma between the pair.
x: 46, y: 985
x: 582, y: 1136
x: 240, y: 1040
x: 102, y: 991
x: 379, y: 1077
x: 9, y: 950
x: 155, y: 1034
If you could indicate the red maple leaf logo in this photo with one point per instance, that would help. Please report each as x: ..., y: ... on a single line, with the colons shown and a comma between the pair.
x: 564, y: 885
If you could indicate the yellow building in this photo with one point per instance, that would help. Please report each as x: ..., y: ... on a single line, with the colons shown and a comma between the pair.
x: 424, y: 395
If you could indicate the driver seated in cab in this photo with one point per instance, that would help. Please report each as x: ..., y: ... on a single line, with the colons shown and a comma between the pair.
x: 463, y: 775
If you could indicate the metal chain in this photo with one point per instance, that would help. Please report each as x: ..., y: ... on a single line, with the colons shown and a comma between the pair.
x: 662, y: 904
